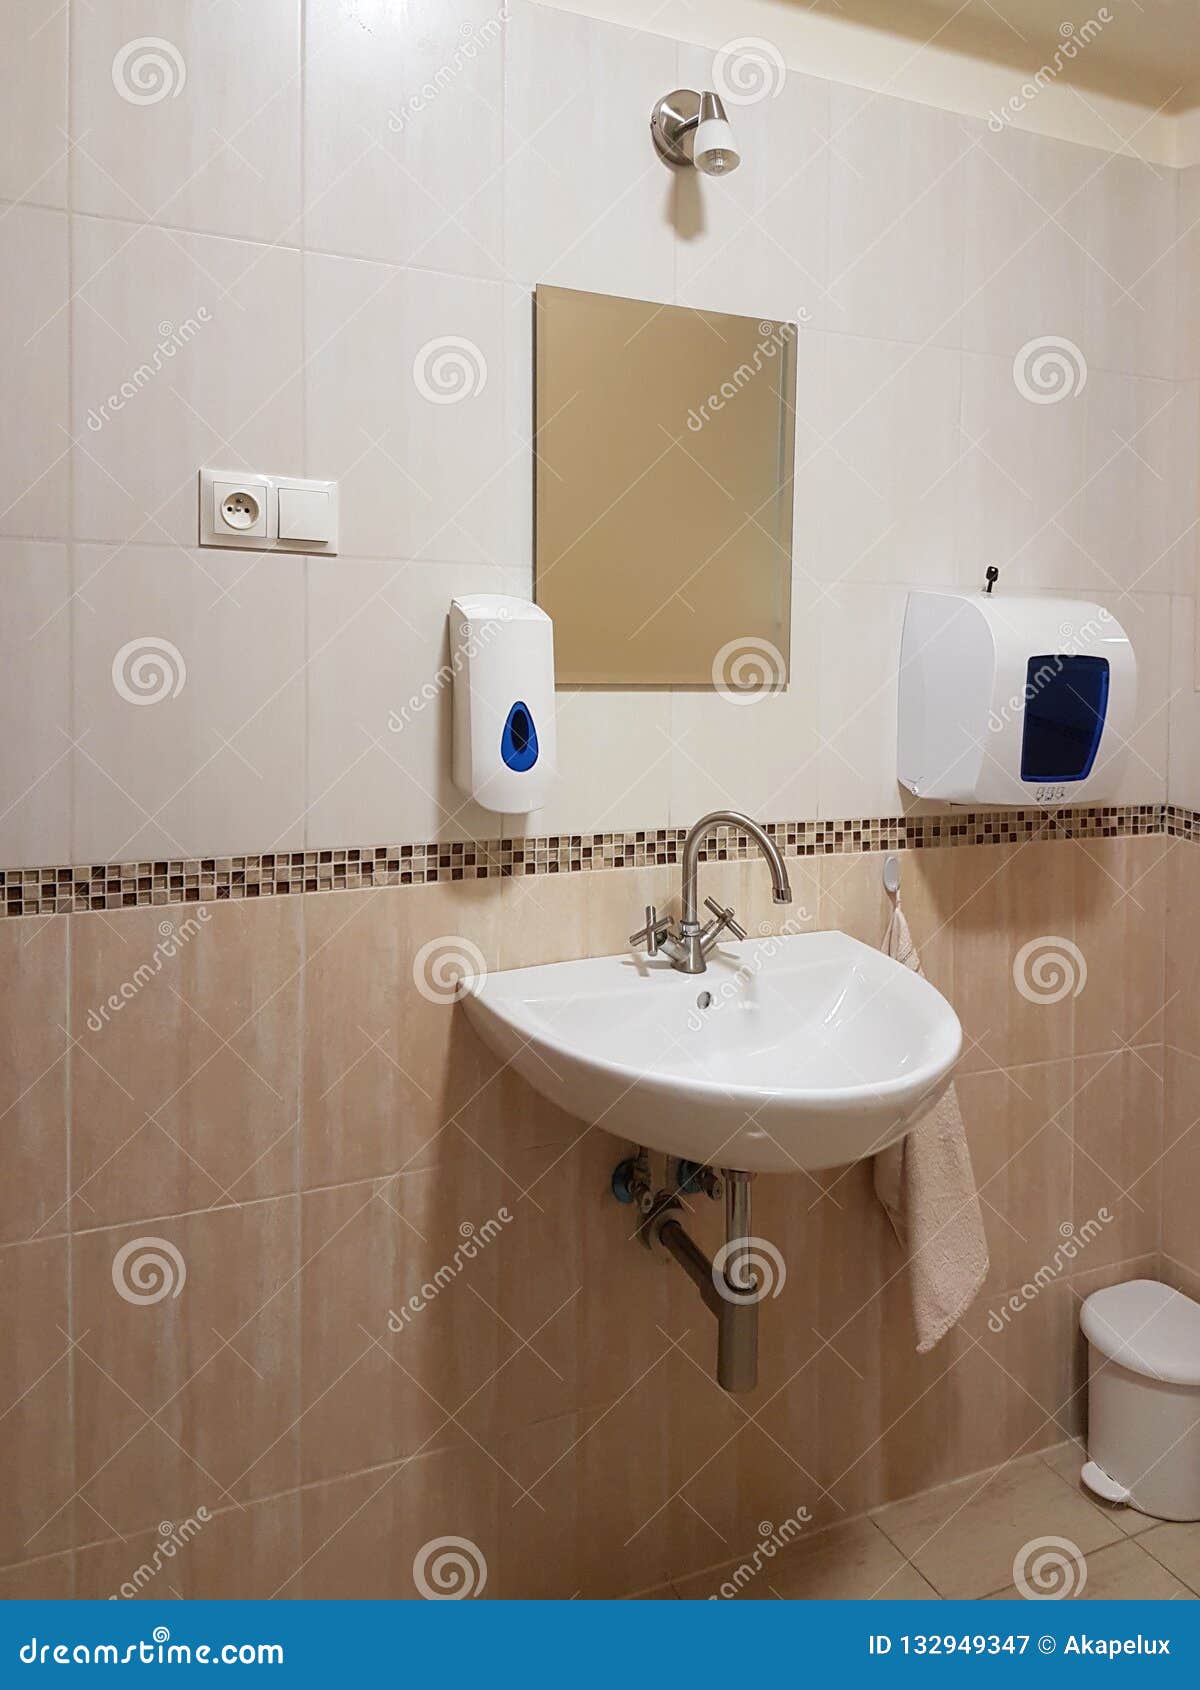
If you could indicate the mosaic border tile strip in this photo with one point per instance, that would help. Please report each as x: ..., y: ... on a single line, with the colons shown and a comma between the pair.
x: 1181, y: 824
x: 69, y: 890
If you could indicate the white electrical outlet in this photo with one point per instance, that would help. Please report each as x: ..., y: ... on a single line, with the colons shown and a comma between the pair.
x: 235, y: 510
x: 268, y: 513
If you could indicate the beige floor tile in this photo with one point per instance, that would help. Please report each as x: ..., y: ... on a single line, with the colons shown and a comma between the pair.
x: 1122, y: 1572
x: 965, y: 1537
x: 1177, y: 1545
x: 850, y: 1563
x: 1066, y: 1459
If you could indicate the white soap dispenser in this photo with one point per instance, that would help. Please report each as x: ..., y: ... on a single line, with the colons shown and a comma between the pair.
x: 505, y: 744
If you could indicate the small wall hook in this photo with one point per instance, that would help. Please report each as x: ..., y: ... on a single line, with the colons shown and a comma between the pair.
x: 891, y: 874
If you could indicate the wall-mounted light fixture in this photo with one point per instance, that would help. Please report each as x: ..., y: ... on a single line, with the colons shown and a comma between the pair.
x: 692, y: 129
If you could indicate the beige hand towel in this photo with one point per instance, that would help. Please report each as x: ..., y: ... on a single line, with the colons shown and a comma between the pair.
x: 926, y: 1184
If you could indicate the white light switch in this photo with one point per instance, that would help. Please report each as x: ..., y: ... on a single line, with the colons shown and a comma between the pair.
x: 305, y: 514
x: 268, y: 512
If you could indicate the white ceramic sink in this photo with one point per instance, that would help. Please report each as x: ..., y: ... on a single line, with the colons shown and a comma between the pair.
x: 815, y: 1050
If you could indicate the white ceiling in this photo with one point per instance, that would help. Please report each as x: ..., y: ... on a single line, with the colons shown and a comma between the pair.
x: 1148, y: 53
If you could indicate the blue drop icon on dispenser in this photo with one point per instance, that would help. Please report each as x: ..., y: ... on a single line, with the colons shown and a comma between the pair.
x: 519, y: 742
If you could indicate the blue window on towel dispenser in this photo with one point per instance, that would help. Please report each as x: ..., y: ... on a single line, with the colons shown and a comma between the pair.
x: 1066, y: 701
x: 1013, y: 699
x: 502, y: 659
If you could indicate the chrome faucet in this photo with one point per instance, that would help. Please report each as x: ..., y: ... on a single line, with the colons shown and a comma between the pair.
x: 687, y: 948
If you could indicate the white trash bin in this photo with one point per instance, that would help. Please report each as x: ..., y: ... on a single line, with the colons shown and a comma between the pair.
x: 1143, y: 1434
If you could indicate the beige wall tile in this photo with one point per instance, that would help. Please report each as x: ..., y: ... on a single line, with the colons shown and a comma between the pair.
x: 186, y: 1093
x: 388, y: 1069
x: 370, y: 1394
x: 1120, y: 909
x: 362, y: 1537
x: 236, y: 1554
x: 585, y: 1518
x: 36, y: 1458
x: 215, y: 1365
x: 37, y: 1581
x: 1118, y: 1114
x: 1181, y: 1159
x: 1018, y: 1123
x: 33, y: 1078
x: 1007, y: 897
x: 1182, y: 1025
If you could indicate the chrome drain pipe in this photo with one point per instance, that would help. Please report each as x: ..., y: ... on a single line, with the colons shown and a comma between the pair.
x: 730, y: 1291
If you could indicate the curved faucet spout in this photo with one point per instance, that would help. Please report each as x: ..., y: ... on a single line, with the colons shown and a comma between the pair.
x: 780, y: 886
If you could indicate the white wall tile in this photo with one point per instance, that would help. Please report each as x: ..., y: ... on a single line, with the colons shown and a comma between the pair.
x: 230, y: 396
x: 33, y: 127
x: 188, y: 114
x: 897, y: 201
x: 886, y: 473
x: 1026, y: 268
x: 614, y: 761
x: 1187, y: 275
x: 587, y: 201
x: 34, y: 337
x: 215, y: 764
x: 860, y: 630
x: 1146, y: 618
x: 1183, y: 771
x: 35, y: 703
x: 453, y: 157
x: 380, y: 711
x: 757, y: 242
x: 1129, y: 209
x: 1131, y: 520
x: 406, y: 404
x: 404, y: 132
x: 759, y: 752
x: 1021, y: 481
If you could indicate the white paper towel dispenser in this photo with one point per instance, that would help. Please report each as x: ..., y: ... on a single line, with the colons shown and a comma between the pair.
x: 1013, y: 699
x: 505, y: 745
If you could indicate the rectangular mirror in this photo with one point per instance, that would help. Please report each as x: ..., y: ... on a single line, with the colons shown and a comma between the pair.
x: 665, y: 441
